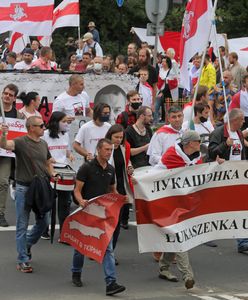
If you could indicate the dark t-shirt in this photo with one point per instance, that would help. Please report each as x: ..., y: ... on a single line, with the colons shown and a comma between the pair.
x: 136, y: 140
x: 11, y: 114
x: 31, y: 158
x: 153, y: 76
x: 97, y: 180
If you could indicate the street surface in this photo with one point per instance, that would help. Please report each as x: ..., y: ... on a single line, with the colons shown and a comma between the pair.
x: 220, y: 273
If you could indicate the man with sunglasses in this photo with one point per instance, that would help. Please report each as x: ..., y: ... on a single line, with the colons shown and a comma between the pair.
x: 9, y: 94
x: 32, y: 158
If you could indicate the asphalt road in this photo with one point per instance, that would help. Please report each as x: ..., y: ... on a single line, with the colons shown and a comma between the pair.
x: 220, y: 273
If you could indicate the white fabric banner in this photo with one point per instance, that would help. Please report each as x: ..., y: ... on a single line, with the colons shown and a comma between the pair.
x: 181, y: 208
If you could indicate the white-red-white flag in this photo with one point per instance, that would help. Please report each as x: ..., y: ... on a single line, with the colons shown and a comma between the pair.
x: 30, y: 17
x: 181, y: 208
x: 45, y: 40
x: 194, y: 35
x: 18, y: 41
x: 66, y: 14
x: 90, y: 230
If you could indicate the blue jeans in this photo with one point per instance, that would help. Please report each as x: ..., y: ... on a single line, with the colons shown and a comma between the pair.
x: 108, y: 263
x: 26, y: 239
x: 242, y: 242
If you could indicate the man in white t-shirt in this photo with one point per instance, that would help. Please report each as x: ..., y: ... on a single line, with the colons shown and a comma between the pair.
x: 201, y: 122
x: 91, y: 132
x: 75, y: 101
x: 229, y: 145
x: 166, y: 136
x: 27, y: 58
x: 202, y: 96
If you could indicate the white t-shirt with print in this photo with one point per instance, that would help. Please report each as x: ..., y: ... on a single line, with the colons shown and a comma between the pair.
x: 236, y: 148
x: 58, y: 146
x: 89, y: 135
x: 72, y: 105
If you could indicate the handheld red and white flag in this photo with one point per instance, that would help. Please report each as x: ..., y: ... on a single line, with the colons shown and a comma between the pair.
x: 90, y: 230
x: 194, y: 35
x: 66, y: 14
x: 45, y: 40
x: 17, y: 128
x: 26, y: 16
x: 18, y: 41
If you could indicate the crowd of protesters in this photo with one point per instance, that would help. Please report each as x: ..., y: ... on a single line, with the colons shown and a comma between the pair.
x: 113, y: 152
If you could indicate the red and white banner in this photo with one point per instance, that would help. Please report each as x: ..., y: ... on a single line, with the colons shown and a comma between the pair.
x: 18, y: 42
x: 181, y: 208
x: 30, y: 17
x: 194, y: 35
x: 16, y: 128
x: 66, y: 14
x: 90, y: 230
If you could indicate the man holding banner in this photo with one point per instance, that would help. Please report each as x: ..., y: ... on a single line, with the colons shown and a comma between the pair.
x: 95, y: 178
x: 229, y: 145
x: 9, y: 94
x: 186, y: 153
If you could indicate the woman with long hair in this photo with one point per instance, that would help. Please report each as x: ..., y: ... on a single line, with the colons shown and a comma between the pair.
x: 31, y: 102
x: 123, y: 170
x: 167, y: 79
x: 57, y: 138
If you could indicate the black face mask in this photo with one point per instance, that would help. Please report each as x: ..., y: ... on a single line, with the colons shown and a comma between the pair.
x: 104, y: 118
x: 136, y: 105
x: 203, y: 120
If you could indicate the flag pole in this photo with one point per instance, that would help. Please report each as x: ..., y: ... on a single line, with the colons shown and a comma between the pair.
x: 2, y: 111
x: 202, y: 60
x: 79, y: 33
x: 221, y: 75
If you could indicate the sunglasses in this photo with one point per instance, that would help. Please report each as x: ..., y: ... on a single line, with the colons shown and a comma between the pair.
x: 41, y: 125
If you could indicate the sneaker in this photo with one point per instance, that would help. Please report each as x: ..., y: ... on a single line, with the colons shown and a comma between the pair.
x: 167, y: 275
x: 189, y: 283
x: 24, y: 267
x: 3, y: 222
x: 243, y: 248
x: 76, y: 279
x: 45, y: 236
x: 114, y: 288
x: 29, y: 254
x: 124, y: 225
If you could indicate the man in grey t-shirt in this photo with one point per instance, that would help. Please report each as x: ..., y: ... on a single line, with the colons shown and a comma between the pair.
x: 32, y: 158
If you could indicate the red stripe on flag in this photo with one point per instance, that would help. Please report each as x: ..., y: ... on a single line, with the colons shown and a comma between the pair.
x: 171, y: 210
x: 70, y: 9
x: 13, y: 39
x: 32, y: 14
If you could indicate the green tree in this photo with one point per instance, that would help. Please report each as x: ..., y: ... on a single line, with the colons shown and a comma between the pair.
x: 232, y: 17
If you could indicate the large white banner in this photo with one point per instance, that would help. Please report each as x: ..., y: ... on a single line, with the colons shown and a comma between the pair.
x: 109, y: 88
x: 182, y: 208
